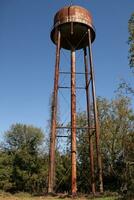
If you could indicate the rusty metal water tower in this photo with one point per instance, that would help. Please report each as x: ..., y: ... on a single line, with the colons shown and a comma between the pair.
x: 73, y: 30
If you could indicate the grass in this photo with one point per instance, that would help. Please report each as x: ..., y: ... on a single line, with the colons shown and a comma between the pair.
x: 25, y: 196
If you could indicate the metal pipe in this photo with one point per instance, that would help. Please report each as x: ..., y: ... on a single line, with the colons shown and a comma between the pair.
x: 89, y: 124
x: 51, y: 179
x: 77, y: 127
x: 66, y: 87
x: 73, y: 122
x: 80, y: 73
x: 95, y: 114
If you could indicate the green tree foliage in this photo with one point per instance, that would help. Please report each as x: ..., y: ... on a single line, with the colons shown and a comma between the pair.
x: 83, y: 162
x: 22, y: 137
x: 131, y: 40
x: 24, y: 162
x: 63, y: 172
x: 5, y: 171
x: 124, y: 85
x: 63, y: 163
x: 117, y: 125
x: 26, y: 167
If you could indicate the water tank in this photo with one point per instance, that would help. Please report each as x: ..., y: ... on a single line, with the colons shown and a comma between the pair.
x: 73, y: 23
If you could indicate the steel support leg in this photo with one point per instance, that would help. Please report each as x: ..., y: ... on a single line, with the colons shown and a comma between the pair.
x: 95, y: 115
x: 51, y: 179
x: 89, y: 124
x: 73, y: 122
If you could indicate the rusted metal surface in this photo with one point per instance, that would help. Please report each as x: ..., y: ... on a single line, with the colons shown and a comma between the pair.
x: 73, y: 14
x: 73, y: 29
x: 73, y: 22
x: 73, y: 123
x: 66, y: 87
x: 89, y: 124
x: 51, y: 179
x: 77, y: 127
x: 95, y: 114
x: 69, y: 72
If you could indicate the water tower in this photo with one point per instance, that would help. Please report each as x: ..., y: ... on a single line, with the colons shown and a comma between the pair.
x: 73, y: 30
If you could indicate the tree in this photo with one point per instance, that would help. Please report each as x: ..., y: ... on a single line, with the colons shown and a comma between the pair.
x: 63, y: 172
x: 83, y: 161
x: 117, y: 125
x: 125, y: 86
x: 22, y: 137
x: 28, y: 168
x: 131, y: 40
x: 5, y: 171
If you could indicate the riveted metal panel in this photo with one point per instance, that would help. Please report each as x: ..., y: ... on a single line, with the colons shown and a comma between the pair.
x: 73, y: 22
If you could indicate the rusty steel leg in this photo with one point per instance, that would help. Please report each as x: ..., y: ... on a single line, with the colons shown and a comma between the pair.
x: 73, y: 122
x: 95, y: 115
x: 51, y: 178
x: 89, y: 124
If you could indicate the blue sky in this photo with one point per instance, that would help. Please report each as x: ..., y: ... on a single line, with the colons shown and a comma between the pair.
x: 27, y: 55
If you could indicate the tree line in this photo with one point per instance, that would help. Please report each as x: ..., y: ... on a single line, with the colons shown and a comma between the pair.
x: 24, y: 153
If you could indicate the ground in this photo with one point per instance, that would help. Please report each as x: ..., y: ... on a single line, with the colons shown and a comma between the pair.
x: 21, y: 196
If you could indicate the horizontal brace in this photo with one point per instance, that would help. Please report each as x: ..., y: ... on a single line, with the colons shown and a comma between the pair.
x: 65, y: 127
x: 79, y: 88
x: 62, y: 136
x: 74, y: 73
x: 66, y: 136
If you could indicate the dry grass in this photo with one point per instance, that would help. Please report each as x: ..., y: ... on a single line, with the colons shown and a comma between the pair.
x: 23, y: 196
